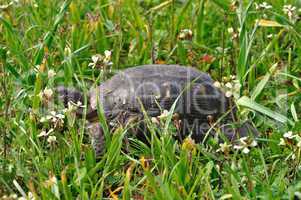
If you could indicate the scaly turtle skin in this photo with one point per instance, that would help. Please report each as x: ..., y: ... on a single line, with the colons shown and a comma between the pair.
x: 156, y: 88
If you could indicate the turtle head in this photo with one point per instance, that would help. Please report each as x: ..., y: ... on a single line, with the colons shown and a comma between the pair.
x: 66, y: 96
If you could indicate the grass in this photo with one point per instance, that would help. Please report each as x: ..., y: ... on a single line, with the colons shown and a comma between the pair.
x: 41, y: 35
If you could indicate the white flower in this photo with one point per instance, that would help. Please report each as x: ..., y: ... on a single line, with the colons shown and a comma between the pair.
x: 44, y: 133
x: 56, y: 119
x: 108, y: 54
x: 293, y: 156
x: 253, y: 143
x: 230, y: 30
x: 270, y: 36
x: 237, y: 86
x: 48, y: 93
x: 155, y: 120
x: 217, y: 84
x: 224, y: 147
x: 229, y: 85
x: 185, y: 34
x: 96, y: 58
x: 245, y: 144
x: 263, y: 6
x: 289, y: 10
x: 100, y: 60
x: 51, y: 73
x: 246, y: 150
x: 228, y: 94
x: 164, y: 114
x: 289, y: 135
x: 51, y: 139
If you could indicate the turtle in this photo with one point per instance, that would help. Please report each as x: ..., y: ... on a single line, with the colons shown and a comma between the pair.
x: 151, y: 89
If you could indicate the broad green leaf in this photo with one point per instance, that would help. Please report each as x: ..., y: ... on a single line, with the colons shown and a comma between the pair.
x: 249, y: 103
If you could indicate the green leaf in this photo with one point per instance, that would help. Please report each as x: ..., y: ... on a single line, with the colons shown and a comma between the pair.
x: 260, y: 86
x: 249, y: 103
x: 224, y: 4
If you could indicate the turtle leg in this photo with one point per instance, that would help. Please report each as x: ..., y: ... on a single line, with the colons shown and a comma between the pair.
x: 233, y: 133
x: 97, y: 138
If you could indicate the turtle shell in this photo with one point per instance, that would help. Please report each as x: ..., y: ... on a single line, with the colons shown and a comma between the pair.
x: 156, y: 88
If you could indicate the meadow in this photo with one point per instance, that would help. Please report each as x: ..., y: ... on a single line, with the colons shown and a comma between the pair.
x: 250, y: 48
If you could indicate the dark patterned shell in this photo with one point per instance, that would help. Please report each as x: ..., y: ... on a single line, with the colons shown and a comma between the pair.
x: 157, y: 87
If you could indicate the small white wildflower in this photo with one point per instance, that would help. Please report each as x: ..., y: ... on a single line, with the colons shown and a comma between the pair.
x: 48, y: 93
x: 164, y: 114
x: 263, y: 6
x: 229, y: 85
x: 246, y: 150
x: 228, y: 94
x: 30, y: 196
x: 289, y: 10
x: 185, y: 34
x: 5, y: 6
x: 270, y: 36
x: 237, y: 86
x: 245, y: 144
x: 100, y: 60
x: 230, y: 30
x: 13, y: 196
x: 293, y: 156
x: 224, y: 147
x: 253, y: 143
x: 108, y: 54
x: 51, y: 139
x: 289, y: 135
x: 155, y: 120
x: 42, y: 134
x: 217, y: 84
x: 51, y: 73
x: 73, y: 106
x: 43, y: 119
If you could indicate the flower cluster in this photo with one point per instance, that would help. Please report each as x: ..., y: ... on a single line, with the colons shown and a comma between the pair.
x: 54, y: 121
x: 230, y: 86
x: 292, y: 141
x: 101, y: 61
x: 290, y: 11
